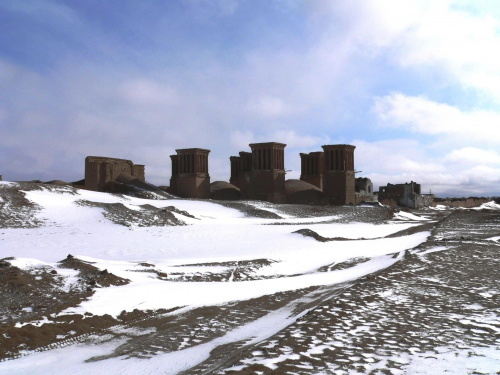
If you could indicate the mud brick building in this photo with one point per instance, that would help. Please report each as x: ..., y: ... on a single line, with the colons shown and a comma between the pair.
x: 364, y: 190
x: 339, y: 179
x: 190, y: 178
x: 332, y: 171
x: 241, y: 167
x: 407, y: 194
x: 101, y: 172
x: 312, y: 168
x: 260, y: 174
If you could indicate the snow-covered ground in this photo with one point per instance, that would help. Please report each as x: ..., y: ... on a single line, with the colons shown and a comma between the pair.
x: 216, y: 235
x: 217, y: 255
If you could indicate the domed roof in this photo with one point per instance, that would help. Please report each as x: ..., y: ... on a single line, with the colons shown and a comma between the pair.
x: 218, y: 185
x: 222, y: 190
x: 294, y: 186
x: 301, y: 192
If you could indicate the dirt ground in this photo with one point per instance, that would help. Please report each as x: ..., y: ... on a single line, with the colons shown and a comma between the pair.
x: 428, y: 303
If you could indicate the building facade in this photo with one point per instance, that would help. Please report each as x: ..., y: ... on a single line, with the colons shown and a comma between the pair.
x: 407, y: 195
x: 100, y: 172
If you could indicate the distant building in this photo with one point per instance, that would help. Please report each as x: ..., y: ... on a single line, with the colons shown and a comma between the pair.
x: 364, y: 190
x: 407, y: 195
x: 101, y: 172
x: 260, y: 175
x: 190, y: 178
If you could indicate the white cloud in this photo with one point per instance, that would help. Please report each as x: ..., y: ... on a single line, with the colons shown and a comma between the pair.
x: 424, y: 116
x: 474, y: 156
x: 460, y: 40
x: 464, y: 172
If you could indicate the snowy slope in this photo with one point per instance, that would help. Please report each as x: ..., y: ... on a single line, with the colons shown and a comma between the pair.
x: 210, y: 255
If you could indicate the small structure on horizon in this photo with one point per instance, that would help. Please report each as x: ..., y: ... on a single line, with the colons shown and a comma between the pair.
x: 101, y: 172
x: 407, y: 195
x: 364, y: 190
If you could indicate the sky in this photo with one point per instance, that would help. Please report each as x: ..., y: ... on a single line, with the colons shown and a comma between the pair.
x: 414, y: 85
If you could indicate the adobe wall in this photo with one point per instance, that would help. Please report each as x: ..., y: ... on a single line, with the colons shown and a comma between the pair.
x: 364, y: 190
x: 267, y: 186
x: 192, y: 186
x: 460, y: 202
x: 388, y: 202
x: 361, y: 197
x: 339, y: 187
x: 407, y: 195
x: 100, y: 171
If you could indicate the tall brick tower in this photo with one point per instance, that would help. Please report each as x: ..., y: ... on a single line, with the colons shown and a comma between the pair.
x: 240, y: 172
x: 267, y: 175
x: 312, y: 167
x: 190, y: 178
x: 339, y: 179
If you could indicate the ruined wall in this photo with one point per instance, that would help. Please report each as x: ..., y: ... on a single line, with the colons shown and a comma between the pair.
x: 407, y: 195
x: 101, y: 171
x: 388, y: 202
x: 364, y: 190
x: 461, y: 202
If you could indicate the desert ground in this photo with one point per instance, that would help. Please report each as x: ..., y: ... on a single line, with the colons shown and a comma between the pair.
x: 147, y: 284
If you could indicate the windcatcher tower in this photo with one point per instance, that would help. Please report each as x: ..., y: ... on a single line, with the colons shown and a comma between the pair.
x: 190, y: 178
x: 312, y: 167
x: 267, y: 174
x: 241, y: 167
x: 339, y: 179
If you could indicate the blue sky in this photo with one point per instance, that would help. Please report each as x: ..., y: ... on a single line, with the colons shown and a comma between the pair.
x: 414, y: 85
